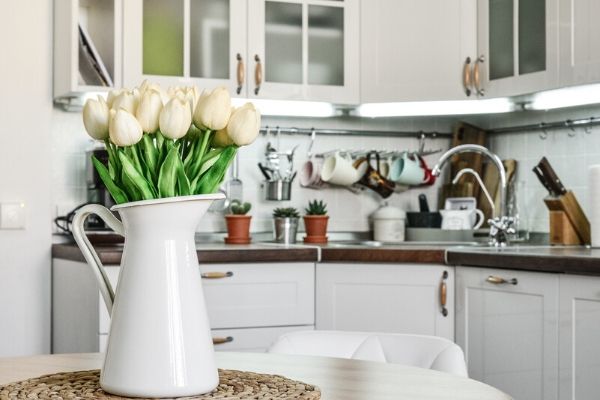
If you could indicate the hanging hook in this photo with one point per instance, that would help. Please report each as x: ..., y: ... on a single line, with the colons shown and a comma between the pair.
x: 313, y: 135
x: 422, y: 139
x: 590, y: 126
x: 569, y: 124
x: 544, y: 132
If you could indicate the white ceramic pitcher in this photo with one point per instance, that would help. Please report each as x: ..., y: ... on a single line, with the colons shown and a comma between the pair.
x: 159, y: 343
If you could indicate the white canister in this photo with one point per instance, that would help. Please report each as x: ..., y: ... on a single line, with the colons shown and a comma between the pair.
x: 389, y: 224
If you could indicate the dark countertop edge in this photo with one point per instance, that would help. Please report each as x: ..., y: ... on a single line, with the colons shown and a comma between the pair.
x: 110, y: 256
x: 432, y: 256
x: 580, y: 265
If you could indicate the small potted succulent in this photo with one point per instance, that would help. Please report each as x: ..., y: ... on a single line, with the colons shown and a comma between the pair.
x: 315, y: 222
x: 238, y: 223
x: 285, y: 223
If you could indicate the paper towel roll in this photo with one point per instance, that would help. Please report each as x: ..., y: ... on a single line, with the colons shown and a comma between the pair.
x: 594, y: 193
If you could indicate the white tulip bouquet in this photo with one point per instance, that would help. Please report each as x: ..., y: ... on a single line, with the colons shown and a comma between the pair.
x: 164, y: 144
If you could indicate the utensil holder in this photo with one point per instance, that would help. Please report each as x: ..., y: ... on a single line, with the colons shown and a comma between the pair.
x: 568, y: 223
x: 278, y: 190
x: 285, y: 230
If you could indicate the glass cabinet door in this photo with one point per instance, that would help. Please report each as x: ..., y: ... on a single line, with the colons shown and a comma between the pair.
x: 301, y: 49
x: 185, y: 41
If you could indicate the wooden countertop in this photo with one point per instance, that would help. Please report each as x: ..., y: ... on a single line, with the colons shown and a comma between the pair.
x: 338, y: 379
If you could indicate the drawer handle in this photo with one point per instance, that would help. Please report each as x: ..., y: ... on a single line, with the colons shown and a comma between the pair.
x: 222, y: 340
x: 240, y: 74
x: 217, y: 275
x: 444, y: 294
x: 496, y: 280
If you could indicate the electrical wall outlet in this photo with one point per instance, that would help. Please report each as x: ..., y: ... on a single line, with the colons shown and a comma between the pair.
x: 12, y: 216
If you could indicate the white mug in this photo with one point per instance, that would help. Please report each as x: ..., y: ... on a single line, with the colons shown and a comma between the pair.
x: 407, y: 171
x: 338, y: 170
x: 462, y: 219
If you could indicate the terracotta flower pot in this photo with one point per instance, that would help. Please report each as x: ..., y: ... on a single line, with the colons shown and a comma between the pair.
x: 238, y: 229
x: 316, y: 228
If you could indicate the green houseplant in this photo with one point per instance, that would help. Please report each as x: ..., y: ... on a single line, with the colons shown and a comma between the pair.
x: 315, y: 222
x: 285, y: 224
x: 238, y: 223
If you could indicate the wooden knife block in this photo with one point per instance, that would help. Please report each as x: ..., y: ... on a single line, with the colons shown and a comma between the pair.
x: 568, y: 223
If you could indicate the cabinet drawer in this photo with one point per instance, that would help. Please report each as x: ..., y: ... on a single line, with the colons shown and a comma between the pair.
x: 251, y: 339
x: 255, y: 295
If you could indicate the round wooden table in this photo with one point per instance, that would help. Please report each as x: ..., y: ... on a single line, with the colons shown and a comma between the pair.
x: 338, y: 379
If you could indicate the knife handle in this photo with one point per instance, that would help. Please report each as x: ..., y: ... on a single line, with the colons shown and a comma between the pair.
x: 543, y: 181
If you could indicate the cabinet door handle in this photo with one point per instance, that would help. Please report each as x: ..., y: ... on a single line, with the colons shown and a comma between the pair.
x: 497, y: 280
x: 258, y: 74
x: 467, y: 76
x: 217, y: 275
x: 477, y: 76
x: 222, y: 340
x: 444, y: 294
x: 240, y: 73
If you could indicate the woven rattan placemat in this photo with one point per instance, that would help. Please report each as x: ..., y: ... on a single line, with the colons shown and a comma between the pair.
x: 233, y: 385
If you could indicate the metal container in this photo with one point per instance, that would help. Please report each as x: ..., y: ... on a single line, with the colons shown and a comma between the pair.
x: 278, y: 190
x: 285, y: 230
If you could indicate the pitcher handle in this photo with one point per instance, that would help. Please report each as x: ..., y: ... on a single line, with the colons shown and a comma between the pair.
x: 481, y: 218
x: 90, y: 255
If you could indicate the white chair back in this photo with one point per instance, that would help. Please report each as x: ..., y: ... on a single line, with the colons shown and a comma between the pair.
x: 429, y: 352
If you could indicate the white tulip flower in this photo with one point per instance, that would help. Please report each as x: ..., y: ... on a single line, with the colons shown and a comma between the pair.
x: 175, y: 119
x: 244, y: 125
x: 112, y: 95
x: 95, y: 118
x: 221, y: 139
x: 148, y: 110
x: 123, y: 128
x: 213, y: 109
x: 126, y: 100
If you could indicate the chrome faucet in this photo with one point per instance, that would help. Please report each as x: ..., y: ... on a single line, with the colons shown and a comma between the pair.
x: 500, y: 225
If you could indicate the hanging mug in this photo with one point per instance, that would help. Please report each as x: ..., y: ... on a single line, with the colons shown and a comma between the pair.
x: 372, y: 178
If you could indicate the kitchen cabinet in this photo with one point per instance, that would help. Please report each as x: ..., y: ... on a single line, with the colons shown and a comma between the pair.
x: 416, y: 50
x: 507, y: 325
x: 518, y: 47
x: 304, y: 50
x: 579, y: 42
x: 182, y: 42
x: 101, y: 20
x: 249, y: 305
x: 400, y: 298
x: 293, y: 50
x: 579, y: 346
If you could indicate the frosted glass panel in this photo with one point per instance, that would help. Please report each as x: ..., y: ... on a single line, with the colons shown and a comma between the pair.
x: 325, y: 45
x: 209, y: 39
x: 532, y: 36
x: 163, y: 37
x: 501, y: 39
x: 283, y: 42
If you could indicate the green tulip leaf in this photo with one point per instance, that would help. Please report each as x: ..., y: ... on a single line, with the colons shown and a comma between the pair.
x: 150, y: 155
x: 167, y: 178
x: 213, y: 177
x: 136, y: 179
x: 115, y: 191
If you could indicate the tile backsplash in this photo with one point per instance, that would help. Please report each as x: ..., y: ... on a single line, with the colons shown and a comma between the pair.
x: 348, y: 211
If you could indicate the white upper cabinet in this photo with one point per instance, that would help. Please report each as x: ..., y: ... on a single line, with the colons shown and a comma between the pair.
x: 417, y: 50
x: 87, y: 46
x: 579, y: 345
x: 518, y: 46
x: 181, y: 42
x: 579, y: 42
x: 303, y: 50
x: 507, y: 324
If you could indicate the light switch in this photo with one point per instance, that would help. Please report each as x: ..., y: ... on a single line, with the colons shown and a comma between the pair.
x: 12, y: 216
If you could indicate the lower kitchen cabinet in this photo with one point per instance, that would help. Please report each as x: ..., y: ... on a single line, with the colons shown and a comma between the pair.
x: 507, y: 324
x: 401, y: 298
x: 579, y: 344
x: 249, y: 305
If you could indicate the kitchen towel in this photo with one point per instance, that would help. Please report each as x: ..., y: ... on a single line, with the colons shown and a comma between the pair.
x: 594, y: 193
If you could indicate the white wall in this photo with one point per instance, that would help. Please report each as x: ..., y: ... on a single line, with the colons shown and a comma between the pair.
x: 25, y: 162
x: 569, y: 155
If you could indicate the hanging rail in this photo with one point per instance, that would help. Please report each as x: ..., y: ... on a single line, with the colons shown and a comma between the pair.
x: 546, y: 126
x: 350, y: 132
